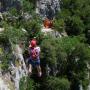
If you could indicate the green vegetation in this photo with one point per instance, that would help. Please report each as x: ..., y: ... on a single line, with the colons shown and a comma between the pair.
x: 54, y: 83
x: 75, y: 15
x: 67, y: 57
x: 27, y: 84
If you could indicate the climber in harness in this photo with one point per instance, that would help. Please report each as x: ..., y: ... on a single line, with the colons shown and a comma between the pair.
x: 34, y: 60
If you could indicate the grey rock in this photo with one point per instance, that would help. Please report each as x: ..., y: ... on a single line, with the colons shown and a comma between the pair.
x: 47, y: 8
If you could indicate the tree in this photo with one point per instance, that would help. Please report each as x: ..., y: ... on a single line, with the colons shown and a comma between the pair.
x: 68, y: 57
x: 77, y: 66
x: 76, y: 21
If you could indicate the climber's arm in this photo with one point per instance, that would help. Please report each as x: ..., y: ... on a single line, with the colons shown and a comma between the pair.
x: 29, y: 50
x: 38, y: 52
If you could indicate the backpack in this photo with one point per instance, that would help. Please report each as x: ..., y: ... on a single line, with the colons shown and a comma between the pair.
x: 34, y: 53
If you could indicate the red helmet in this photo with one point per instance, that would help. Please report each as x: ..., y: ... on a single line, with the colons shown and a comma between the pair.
x: 33, y: 43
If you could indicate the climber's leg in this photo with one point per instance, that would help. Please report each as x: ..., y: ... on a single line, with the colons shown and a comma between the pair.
x: 37, y: 64
x: 39, y: 70
x: 30, y: 69
x: 30, y: 62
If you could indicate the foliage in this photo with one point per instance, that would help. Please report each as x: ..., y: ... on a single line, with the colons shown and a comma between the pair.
x: 76, y: 20
x: 5, y: 62
x: 13, y: 34
x: 1, y: 51
x: 27, y: 6
x: 33, y: 28
x: 77, y: 65
x: 75, y: 26
x: 48, y: 52
x: 88, y: 36
x: 67, y: 57
x: 27, y: 84
x: 59, y: 25
x: 54, y: 83
x: 68, y: 43
x: 55, y: 51
x: 14, y: 12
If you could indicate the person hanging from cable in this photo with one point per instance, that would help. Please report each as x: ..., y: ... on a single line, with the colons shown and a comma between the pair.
x: 34, y: 59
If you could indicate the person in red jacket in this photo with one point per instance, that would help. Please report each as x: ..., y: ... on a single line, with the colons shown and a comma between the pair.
x: 34, y: 60
x: 48, y: 23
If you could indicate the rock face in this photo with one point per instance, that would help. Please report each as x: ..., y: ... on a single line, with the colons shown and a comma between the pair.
x: 10, y: 80
x: 47, y: 8
x: 6, y: 4
x: 3, y: 86
x: 51, y: 32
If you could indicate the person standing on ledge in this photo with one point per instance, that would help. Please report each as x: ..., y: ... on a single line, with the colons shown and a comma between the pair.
x: 34, y: 60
